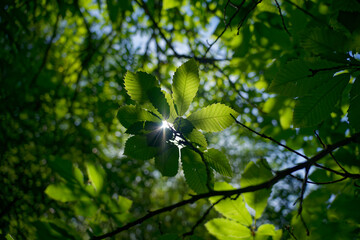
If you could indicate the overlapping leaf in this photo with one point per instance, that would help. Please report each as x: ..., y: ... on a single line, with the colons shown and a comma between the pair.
x: 225, y: 229
x: 137, y: 84
x: 168, y: 161
x: 129, y: 114
x: 218, y: 161
x: 230, y: 207
x: 256, y: 173
x: 213, y: 118
x: 138, y: 148
x: 158, y: 100
x: 295, y: 78
x: 195, y: 136
x: 96, y: 175
x: 185, y: 85
x: 194, y: 170
x: 173, y: 114
x: 313, y: 108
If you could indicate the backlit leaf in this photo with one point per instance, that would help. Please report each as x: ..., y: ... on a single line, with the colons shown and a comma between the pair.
x: 64, y: 193
x: 225, y: 229
x: 137, y: 84
x: 313, y: 108
x: 218, y: 161
x: 96, y: 175
x: 173, y: 114
x: 267, y: 230
x: 233, y: 208
x: 256, y: 173
x: 158, y: 100
x: 195, y: 136
x: 213, y: 118
x: 130, y: 114
x: 185, y: 85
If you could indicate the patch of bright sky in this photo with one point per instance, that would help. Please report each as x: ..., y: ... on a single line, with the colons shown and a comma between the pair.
x: 140, y: 39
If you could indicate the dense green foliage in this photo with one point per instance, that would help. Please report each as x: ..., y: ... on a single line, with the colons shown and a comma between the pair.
x: 164, y: 119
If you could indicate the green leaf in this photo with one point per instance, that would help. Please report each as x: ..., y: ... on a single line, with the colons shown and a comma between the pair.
x: 185, y: 85
x: 124, y: 204
x: 195, y: 136
x: 8, y: 237
x: 167, y: 4
x: 168, y: 161
x: 354, y: 109
x: 130, y: 114
x: 66, y: 170
x: 96, y: 175
x: 233, y: 208
x: 137, y: 147
x: 173, y: 114
x: 158, y: 100
x: 323, y: 40
x: 267, y: 230
x: 86, y: 208
x: 313, y: 108
x: 295, y: 78
x: 213, y: 118
x: 194, y: 170
x: 224, y: 229
x: 116, y: 7
x: 254, y: 174
x: 137, y: 84
x: 218, y: 161
x: 183, y: 125
x: 65, y: 193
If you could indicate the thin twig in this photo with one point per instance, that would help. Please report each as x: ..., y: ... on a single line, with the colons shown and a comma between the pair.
x: 290, y: 232
x: 270, y: 138
x: 303, y: 188
x: 282, y: 18
x: 246, y: 15
x: 306, y: 12
x: 206, y: 213
x: 305, y: 225
x: 318, y: 183
x: 226, y: 27
x: 237, y: 90
x: 331, y: 154
x: 341, y: 67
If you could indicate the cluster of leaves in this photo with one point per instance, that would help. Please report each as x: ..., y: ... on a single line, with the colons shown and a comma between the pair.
x: 160, y: 129
x: 239, y: 223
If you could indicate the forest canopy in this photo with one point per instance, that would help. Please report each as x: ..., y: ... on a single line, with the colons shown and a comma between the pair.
x: 170, y: 120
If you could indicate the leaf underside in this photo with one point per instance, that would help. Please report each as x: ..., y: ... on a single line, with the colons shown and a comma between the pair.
x: 213, y: 118
x: 185, y: 85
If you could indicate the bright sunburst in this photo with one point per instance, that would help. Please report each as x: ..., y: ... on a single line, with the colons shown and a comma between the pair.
x: 165, y: 124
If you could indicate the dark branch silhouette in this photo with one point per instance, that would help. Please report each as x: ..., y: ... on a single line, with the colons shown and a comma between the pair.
x: 228, y: 193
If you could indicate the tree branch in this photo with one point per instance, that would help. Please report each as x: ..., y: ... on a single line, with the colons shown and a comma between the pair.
x: 228, y: 193
x: 282, y: 18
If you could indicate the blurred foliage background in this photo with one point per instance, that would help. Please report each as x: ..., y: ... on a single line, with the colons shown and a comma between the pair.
x: 62, y: 66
